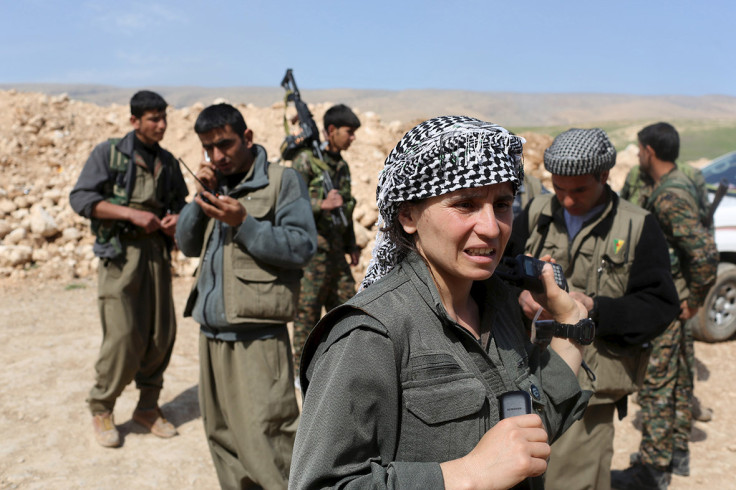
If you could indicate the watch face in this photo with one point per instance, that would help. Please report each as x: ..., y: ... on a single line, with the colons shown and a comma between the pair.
x: 587, y: 331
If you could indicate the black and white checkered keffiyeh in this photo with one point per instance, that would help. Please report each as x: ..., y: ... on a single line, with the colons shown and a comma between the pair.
x: 439, y: 156
x: 580, y: 152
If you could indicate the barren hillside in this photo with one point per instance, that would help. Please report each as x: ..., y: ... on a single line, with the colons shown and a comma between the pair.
x: 45, y: 140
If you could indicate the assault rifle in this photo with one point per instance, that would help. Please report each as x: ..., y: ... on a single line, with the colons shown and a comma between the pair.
x: 308, y: 138
x: 720, y: 192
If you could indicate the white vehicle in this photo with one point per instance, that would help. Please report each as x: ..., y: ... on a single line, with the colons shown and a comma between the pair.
x: 716, y: 320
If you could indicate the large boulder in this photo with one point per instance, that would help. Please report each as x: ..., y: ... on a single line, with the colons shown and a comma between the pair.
x: 42, y: 223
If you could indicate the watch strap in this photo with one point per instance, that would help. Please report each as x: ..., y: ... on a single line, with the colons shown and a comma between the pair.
x: 583, y: 332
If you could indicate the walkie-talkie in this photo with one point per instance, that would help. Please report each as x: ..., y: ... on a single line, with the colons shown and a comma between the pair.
x: 511, y: 404
x: 199, y: 181
x: 524, y: 271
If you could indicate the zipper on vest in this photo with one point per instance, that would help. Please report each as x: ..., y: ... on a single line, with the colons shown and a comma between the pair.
x: 217, y: 232
x: 599, y: 273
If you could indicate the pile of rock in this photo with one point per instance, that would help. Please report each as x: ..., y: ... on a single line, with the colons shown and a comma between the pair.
x: 44, y: 142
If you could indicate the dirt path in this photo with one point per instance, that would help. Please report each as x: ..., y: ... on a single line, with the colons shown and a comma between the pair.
x: 49, y: 337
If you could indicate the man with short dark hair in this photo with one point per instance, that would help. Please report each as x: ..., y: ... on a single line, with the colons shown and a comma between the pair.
x: 666, y: 190
x: 615, y: 260
x: 132, y: 190
x: 328, y: 281
x: 253, y: 231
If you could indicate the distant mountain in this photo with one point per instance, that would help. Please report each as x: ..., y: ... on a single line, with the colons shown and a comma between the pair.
x: 506, y: 108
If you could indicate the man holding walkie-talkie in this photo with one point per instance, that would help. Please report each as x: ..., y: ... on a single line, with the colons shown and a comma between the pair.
x: 327, y: 280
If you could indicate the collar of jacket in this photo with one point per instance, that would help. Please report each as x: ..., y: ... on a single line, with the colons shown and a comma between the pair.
x: 494, y: 293
x: 600, y: 229
x: 126, y: 144
x: 257, y: 176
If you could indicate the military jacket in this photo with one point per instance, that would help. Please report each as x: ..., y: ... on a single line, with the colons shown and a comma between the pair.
x: 619, y: 259
x: 692, y: 249
x: 249, y: 275
x: 394, y: 386
x: 332, y: 233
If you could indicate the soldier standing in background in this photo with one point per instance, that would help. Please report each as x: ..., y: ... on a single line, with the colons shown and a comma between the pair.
x: 327, y: 279
x: 615, y: 260
x: 133, y: 190
x: 666, y: 396
x: 530, y: 188
x: 253, y: 232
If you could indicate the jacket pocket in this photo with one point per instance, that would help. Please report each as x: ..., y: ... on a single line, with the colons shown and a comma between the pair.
x: 448, y: 400
x: 445, y: 411
x: 259, y: 294
x: 258, y: 205
x: 619, y: 370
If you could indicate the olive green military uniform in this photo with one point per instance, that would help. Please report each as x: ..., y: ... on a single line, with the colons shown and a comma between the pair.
x: 327, y: 281
x: 618, y: 258
x: 134, y: 288
x: 394, y: 386
x: 666, y: 396
x: 245, y: 292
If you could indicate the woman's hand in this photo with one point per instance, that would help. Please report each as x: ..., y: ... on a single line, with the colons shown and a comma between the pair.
x: 564, y: 309
x: 560, y: 305
x: 514, y: 449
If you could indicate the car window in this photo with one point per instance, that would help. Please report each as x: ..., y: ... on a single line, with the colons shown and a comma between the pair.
x: 719, y: 168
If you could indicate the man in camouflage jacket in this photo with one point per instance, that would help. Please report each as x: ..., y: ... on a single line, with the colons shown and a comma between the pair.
x: 327, y: 280
x: 666, y: 396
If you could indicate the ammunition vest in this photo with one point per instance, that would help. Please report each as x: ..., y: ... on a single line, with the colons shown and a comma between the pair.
x: 118, y: 190
x: 254, y: 291
x: 597, y: 262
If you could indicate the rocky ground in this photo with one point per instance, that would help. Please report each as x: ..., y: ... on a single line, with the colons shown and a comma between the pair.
x: 49, y: 329
x: 49, y: 337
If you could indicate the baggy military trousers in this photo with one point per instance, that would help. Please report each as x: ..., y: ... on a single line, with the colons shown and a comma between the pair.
x: 581, y: 457
x: 249, y: 409
x: 138, y: 323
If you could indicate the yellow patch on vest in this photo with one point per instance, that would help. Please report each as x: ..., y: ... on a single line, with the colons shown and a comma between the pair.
x: 617, y: 245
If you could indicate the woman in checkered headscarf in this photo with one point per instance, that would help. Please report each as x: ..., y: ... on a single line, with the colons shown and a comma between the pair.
x: 402, y: 381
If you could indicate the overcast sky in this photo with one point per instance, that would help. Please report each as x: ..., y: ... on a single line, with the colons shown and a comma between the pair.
x: 632, y: 47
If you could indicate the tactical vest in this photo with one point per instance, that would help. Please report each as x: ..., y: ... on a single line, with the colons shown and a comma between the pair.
x: 117, y: 191
x: 254, y: 291
x: 327, y: 226
x: 597, y: 262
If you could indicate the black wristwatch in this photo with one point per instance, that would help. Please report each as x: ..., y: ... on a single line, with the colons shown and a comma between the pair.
x: 583, y: 332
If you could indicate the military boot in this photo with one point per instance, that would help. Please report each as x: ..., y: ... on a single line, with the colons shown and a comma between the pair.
x: 106, y: 434
x: 680, y: 462
x: 640, y: 477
